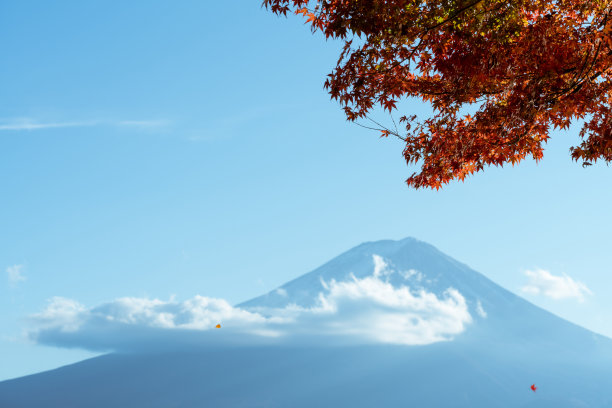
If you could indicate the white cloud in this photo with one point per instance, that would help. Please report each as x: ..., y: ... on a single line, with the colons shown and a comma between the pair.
x: 542, y: 282
x: 372, y: 311
x: 281, y: 292
x: 63, y: 314
x: 358, y: 311
x: 21, y: 124
x: 126, y: 324
x: 15, y: 274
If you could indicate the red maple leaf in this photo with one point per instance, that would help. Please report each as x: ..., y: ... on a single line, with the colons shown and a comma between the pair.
x: 533, y: 387
x: 527, y: 66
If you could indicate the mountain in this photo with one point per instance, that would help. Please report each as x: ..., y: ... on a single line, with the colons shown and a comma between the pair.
x: 508, y: 345
x: 509, y: 320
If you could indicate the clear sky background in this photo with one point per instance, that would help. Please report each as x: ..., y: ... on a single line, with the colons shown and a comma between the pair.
x: 158, y: 149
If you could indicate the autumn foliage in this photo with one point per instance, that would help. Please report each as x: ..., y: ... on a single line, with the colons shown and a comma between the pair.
x: 521, y: 65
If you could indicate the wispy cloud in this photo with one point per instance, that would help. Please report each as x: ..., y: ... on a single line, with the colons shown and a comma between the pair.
x: 28, y: 124
x: 542, y: 282
x: 357, y: 311
x: 15, y: 275
x: 479, y: 309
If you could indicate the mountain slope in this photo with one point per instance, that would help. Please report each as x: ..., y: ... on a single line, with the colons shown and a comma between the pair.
x: 504, y: 350
x: 438, y: 375
x: 509, y: 319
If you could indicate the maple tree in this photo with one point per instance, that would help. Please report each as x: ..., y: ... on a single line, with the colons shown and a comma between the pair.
x: 524, y: 64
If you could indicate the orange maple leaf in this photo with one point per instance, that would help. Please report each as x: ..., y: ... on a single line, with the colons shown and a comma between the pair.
x: 526, y: 65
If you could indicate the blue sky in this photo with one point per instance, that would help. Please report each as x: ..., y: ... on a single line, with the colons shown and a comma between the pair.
x: 159, y: 149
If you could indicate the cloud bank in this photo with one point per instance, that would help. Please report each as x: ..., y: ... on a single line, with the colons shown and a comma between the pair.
x: 356, y: 311
x: 542, y: 282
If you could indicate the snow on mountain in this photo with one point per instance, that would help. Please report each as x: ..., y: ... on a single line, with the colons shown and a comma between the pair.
x: 408, y: 262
